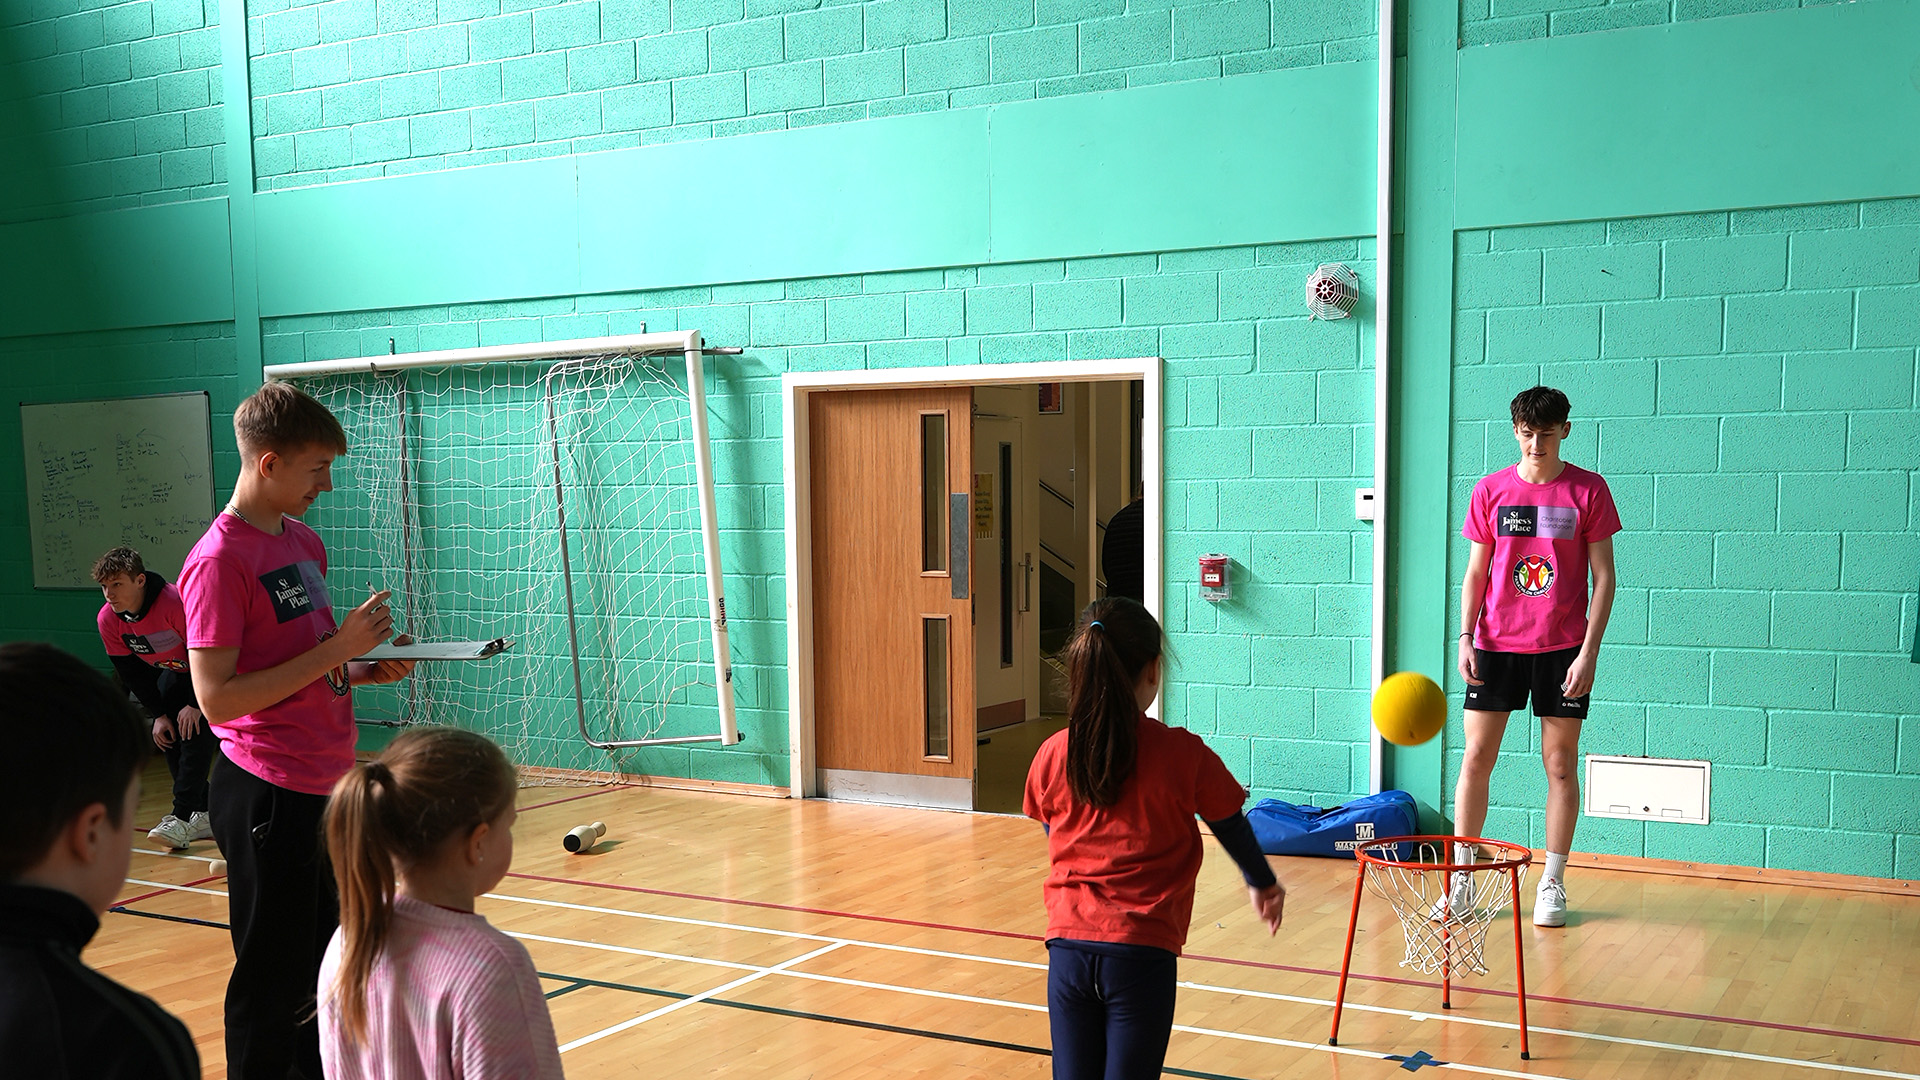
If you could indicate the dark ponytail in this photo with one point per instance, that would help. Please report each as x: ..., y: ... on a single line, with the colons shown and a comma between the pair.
x: 1117, y: 639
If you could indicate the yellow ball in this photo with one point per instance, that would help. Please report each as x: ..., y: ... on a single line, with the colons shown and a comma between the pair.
x: 1409, y: 708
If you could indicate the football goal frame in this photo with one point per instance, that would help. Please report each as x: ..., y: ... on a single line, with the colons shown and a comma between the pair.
x: 686, y: 343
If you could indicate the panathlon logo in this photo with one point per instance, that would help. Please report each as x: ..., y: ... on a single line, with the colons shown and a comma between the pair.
x: 1533, y: 575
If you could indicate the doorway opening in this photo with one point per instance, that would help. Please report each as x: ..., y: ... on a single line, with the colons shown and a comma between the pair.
x: 1054, y: 466
x: 945, y: 527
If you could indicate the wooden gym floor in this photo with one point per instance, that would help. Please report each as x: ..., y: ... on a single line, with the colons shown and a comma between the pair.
x: 744, y: 937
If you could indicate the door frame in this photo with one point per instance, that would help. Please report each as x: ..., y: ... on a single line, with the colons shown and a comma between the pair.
x: 796, y: 473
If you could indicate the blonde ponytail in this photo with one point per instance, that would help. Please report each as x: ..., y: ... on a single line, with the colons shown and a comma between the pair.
x: 428, y: 785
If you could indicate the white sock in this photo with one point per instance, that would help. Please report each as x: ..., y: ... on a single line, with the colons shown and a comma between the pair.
x: 1557, y: 866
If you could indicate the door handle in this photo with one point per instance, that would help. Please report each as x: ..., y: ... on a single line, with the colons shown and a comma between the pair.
x: 1026, y: 583
x: 959, y: 534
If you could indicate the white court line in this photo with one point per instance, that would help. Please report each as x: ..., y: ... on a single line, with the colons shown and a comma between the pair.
x: 782, y: 969
x: 630, y: 951
x: 175, y: 855
x: 663, y: 1010
x: 791, y: 934
x: 173, y: 887
x: 1205, y: 987
x: 836, y: 942
x: 1475, y: 1021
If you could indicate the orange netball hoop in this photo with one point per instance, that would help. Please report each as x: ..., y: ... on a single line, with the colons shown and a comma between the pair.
x: 1445, y: 908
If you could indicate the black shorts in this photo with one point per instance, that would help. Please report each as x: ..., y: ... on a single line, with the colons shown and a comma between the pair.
x: 1507, y: 678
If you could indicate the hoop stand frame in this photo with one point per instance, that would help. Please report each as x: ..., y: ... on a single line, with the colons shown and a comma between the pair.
x: 1373, y: 858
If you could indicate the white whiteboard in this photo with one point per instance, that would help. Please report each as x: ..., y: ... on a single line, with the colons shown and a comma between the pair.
x: 134, y: 471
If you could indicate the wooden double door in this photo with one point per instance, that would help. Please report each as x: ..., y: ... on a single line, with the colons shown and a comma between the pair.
x: 891, y: 480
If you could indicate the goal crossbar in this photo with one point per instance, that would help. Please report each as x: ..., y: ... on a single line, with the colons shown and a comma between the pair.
x: 685, y: 342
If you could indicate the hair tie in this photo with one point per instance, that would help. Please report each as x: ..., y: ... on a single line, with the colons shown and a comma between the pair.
x: 1097, y: 623
x: 378, y: 773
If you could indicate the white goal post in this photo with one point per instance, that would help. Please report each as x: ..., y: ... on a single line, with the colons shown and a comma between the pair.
x: 551, y: 368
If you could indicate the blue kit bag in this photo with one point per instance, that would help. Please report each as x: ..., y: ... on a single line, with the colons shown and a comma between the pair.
x: 1285, y: 829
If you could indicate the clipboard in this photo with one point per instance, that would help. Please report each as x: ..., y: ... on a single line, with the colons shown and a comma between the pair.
x: 438, y: 650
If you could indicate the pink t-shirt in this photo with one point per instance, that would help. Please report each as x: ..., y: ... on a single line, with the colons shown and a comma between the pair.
x: 449, y: 998
x: 158, y: 637
x: 1537, y: 579
x: 267, y: 596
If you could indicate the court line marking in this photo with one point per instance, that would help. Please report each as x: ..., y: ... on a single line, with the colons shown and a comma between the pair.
x: 837, y: 942
x: 869, y: 1025
x: 757, y: 972
x: 1414, y: 1015
x: 917, y: 991
x: 631, y: 951
x: 157, y: 853
x: 163, y: 887
x: 770, y: 931
x: 1646, y: 1010
x: 777, y: 969
x: 770, y: 905
x: 1269, y: 1040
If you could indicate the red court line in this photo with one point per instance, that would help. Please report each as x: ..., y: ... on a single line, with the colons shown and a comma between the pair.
x: 1609, y: 1005
x: 168, y: 889
x: 778, y: 907
x: 571, y: 798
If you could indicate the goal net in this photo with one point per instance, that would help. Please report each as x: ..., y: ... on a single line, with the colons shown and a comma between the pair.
x: 554, y: 502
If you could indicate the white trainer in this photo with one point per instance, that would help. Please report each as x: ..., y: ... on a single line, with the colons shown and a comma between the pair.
x: 199, y: 826
x: 1550, y: 903
x: 1459, y: 898
x: 173, y: 832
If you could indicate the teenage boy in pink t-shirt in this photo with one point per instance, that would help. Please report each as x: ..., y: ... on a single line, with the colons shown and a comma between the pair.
x: 143, y: 627
x: 1528, y: 626
x: 273, y: 670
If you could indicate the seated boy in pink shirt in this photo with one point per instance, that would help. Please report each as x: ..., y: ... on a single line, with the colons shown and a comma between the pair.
x: 273, y: 671
x: 143, y: 626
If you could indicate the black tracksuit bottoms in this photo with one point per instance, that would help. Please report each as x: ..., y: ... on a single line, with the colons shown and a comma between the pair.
x: 283, y: 912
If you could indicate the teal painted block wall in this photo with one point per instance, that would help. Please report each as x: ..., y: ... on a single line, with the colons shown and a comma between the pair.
x: 356, y: 88
x: 1489, y: 22
x: 104, y: 364
x: 1745, y: 377
x: 1746, y: 383
x: 1267, y: 433
x: 119, y: 101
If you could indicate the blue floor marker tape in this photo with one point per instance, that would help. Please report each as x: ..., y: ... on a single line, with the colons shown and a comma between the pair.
x: 1417, y: 1061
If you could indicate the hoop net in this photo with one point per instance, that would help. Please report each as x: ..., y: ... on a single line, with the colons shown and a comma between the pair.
x: 1419, y: 879
x: 447, y: 496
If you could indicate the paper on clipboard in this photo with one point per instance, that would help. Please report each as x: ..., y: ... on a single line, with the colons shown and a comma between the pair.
x: 438, y: 650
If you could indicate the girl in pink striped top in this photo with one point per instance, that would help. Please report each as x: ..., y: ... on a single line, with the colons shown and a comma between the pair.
x: 415, y: 986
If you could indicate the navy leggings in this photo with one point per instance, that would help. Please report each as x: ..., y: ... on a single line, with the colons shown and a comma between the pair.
x: 1110, y: 1008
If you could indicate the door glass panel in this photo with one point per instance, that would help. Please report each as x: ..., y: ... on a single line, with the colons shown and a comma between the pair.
x: 939, y: 722
x: 1006, y: 554
x: 933, y: 491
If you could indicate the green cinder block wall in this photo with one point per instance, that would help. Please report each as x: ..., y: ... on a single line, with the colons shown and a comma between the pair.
x: 123, y: 100
x: 1745, y: 381
x: 356, y: 88
x: 1744, y: 377
x: 1268, y: 432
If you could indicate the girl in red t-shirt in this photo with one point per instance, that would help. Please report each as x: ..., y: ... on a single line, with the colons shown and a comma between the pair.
x: 1118, y: 793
